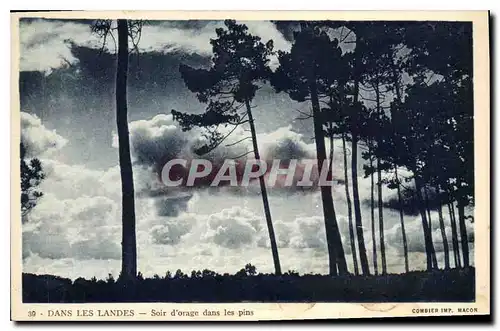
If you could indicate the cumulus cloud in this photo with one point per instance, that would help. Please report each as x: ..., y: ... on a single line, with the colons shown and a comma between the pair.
x: 220, y: 232
x: 37, y: 139
x: 79, y: 215
x: 415, y: 236
x: 47, y: 240
x: 302, y: 232
x: 44, y: 46
x: 208, y: 231
x: 285, y: 144
x: 172, y: 206
x: 309, y: 233
x: 45, y: 43
x: 267, y: 30
x: 79, y: 218
x: 306, y: 232
x: 79, y: 228
x: 72, y: 181
x: 195, y: 38
x: 283, y: 234
x: 390, y: 196
x: 170, y: 232
x: 102, y: 244
x: 160, y: 139
x: 156, y: 141
x: 233, y: 228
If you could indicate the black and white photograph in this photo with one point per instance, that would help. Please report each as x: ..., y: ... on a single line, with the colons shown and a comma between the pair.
x: 232, y: 160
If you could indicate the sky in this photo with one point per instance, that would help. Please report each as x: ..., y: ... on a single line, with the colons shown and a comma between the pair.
x: 68, y: 122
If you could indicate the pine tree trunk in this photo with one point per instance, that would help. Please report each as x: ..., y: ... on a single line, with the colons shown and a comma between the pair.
x: 397, y: 88
x: 454, y: 235
x: 372, y: 208
x: 263, y: 190
x: 379, y: 191
x: 429, y: 247
x: 381, y: 218
x: 333, y: 238
x: 129, y: 250
x: 349, y: 210
x: 330, y: 164
x: 434, y: 258
x: 401, y: 219
x: 445, y: 240
x: 355, y: 187
x: 463, y: 231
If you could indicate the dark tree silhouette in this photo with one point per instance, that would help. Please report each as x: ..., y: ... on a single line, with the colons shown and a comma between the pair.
x: 355, y: 185
x: 429, y: 218
x: 336, y: 119
x: 239, y: 65
x: 349, y: 208
x: 372, y: 207
x: 129, y: 249
x: 396, y: 67
x: 361, y: 31
x: 376, y: 48
x: 373, y: 127
x: 454, y: 235
x: 379, y: 70
x: 248, y: 285
x: 376, y: 127
x: 446, y: 248
x: 446, y: 56
x: 417, y: 142
x: 425, y: 117
x: 305, y: 74
x: 31, y: 176
x: 126, y: 29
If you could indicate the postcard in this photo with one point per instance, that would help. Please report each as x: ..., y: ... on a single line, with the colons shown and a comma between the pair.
x: 246, y: 166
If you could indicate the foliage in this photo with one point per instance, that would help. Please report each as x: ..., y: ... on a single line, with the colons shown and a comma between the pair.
x: 31, y: 176
x: 239, y: 66
x: 312, y: 54
x: 239, y: 61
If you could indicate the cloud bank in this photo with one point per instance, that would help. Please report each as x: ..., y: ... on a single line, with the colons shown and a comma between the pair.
x: 75, y: 229
x: 45, y: 44
x: 156, y: 141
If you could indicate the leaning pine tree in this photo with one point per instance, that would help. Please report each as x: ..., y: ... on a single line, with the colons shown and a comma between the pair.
x: 361, y: 30
x: 239, y: 64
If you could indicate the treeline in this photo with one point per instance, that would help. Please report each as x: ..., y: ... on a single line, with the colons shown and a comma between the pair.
x: 397, y: 93
x: 455, y: 285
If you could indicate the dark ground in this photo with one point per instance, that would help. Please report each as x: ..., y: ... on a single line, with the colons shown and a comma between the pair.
x: 456, y: 285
